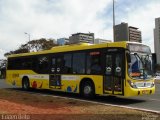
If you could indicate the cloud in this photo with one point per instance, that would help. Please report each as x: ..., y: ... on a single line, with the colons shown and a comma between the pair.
x: 144, y: 19
x: 61, y: 18
x: 48, y: 18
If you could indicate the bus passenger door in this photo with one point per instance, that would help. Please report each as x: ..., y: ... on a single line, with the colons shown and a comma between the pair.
x: 55, y: 70
x: 114, y: 72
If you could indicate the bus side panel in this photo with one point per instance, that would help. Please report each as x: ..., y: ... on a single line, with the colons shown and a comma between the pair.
x: 71, y: 83
x: 8, y: 77
x: 13, y: 77
x: 70, y: 86
x: 39, y: 81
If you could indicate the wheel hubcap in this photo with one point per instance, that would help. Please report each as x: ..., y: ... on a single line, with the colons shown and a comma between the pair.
x: 87, y: 90
x: 25, y: 85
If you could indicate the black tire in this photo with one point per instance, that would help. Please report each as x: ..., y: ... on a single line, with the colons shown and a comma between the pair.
x: 88, y: 89
x: 25, y: 84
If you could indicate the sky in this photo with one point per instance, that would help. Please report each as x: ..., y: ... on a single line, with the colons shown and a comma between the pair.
x: 61, y: 18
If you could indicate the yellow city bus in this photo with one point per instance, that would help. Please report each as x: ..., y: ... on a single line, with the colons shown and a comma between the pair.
x: 116, y: 68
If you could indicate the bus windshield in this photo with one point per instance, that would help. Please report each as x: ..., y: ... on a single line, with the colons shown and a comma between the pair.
x: 140, y: 66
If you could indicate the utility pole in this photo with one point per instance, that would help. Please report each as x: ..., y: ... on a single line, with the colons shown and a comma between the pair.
x: 113, y: 22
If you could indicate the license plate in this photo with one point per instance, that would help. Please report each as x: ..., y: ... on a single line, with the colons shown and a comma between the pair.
x: 144, y: 91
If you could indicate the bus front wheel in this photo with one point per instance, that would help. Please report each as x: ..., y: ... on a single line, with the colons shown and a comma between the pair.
x: 25, y: 84
x: 88, y: 90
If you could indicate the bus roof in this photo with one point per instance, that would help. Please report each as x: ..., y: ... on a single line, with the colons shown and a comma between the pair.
x: 74, y: 47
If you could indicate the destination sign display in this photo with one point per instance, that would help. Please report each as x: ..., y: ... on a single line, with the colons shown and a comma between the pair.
x: 139, y: 48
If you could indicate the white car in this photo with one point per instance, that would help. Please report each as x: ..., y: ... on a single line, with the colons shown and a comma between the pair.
x: 157, y: 76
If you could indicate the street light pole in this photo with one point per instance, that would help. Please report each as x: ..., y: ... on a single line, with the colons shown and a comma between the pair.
x: 113, y: 22
x: 29, y: 37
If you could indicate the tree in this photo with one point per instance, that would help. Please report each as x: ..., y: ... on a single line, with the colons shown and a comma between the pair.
x: 41, y: 44
x: 34, y: 46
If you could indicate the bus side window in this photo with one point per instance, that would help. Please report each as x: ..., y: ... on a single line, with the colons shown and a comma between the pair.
x: 94, y: 63
x: 78, y: 63
x: 11, y: 66
x: 95, y: 66
x: 67, y: 64
x: 43, y: 64
x: 27, y: 63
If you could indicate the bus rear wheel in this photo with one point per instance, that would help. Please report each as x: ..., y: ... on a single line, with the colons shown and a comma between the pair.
x: 88, y: 90
x: 25, y: 84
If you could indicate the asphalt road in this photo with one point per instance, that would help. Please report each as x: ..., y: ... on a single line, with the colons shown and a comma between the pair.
x: 149, y: 102
x: 3, y: 84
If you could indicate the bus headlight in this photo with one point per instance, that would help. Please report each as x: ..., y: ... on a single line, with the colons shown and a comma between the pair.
x: 132, y: 84
x: 152, y: 84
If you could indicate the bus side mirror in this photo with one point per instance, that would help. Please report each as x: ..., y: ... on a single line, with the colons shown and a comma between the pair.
x: 128, y: 58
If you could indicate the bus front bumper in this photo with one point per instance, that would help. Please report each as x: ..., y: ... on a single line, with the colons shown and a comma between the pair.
x: 139, y: 91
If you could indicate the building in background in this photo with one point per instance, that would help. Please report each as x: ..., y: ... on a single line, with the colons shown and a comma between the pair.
x: 62, y: 41
x: 98, y: 41
x: 157, y: 39
x: 123, y: 32
x: 81, y: 37
x: 154, y: 62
